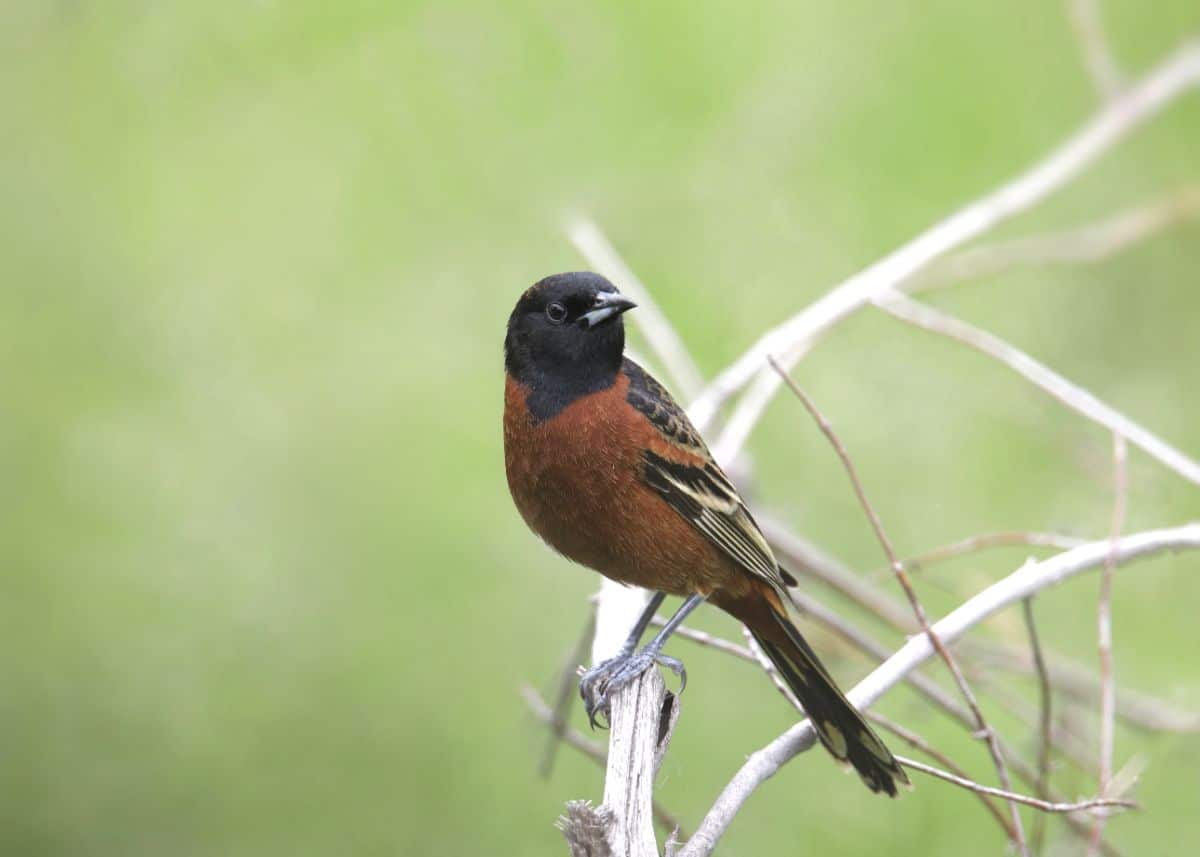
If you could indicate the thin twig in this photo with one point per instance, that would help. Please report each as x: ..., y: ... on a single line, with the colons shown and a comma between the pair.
x: 769, y: 668
x: 923, y: 684
x: 1007, y: 538
x: 567, y: 683
x: 1108, y: 699
x: 917, y: 742
x: 881, y: 605
x: 1087, y: 244
x: 1013, y: 797
x: 1069, y: 740
x: 594, y: 750
x: 917, y: 608
x: 809, y: 560
x: 1022, y: 583
x: 941, y: 699
x: 1070, y: 679
x: 1177, y: 74
x: 1070, y: 394
x: 1097, y: 55
x: 711, y: 641
x: 1045, y: 734
x: 1073, y: 679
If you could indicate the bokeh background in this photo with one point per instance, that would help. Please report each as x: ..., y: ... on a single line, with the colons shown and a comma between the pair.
x: 263, y: 590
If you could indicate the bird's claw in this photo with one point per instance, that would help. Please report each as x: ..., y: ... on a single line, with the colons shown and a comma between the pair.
x: 597, y: 685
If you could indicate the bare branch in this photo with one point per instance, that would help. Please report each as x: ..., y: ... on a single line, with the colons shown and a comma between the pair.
x: 1108, y: 698
x: 972, y: 544
x: 1088, y: 244
x: 1093, y: 43
x: 923, y: 684
x: 769, y: 668
x: 1045, y: 694
x: 1070, y: 394
x: 1026, y: 581
x: 1141, y: 101
x: 1044, y: 806
x: 617, y: 610
x: 750, y: 409
x: 633, y: 756
x: 1070, y: 679
x: 919, y: 743
x: 807, y: 559
x: 917, y: 608
x: 711, y: 641
x: 1046, y: 720
x: 568, y: 681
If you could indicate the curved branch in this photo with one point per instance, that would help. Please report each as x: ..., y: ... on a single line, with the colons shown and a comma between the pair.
x: 1028, y: 580
x: 1070, y: 394
x: 1176, y: 75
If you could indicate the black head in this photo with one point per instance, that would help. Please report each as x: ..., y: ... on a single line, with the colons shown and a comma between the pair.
x: 565, y: 336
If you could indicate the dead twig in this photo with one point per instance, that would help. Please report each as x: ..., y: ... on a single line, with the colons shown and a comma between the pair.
x: 1013, y: 797
x: 917, y: 608
x: 1136, y: 709
x: 1046, y: 721
x: 1108, y: 699
x: 1089, y: 244
x: 711, y: 641
x: 567, y: 683
x: 1135, y: 105
x: 1022, y: 583
x: 1072, y: 395
x: 1093, y: 43
x: 917, y: 742
x: 973, y: 544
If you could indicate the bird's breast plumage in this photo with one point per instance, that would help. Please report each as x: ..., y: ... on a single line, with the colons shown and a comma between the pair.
x: 577, y: 481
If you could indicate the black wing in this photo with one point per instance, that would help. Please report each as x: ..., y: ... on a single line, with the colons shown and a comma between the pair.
x: 699, y: 491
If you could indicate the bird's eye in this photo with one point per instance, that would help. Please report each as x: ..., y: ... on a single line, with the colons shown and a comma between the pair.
x: 556, y: 312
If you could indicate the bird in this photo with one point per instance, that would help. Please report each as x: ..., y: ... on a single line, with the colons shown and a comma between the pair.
x: 606, y: 469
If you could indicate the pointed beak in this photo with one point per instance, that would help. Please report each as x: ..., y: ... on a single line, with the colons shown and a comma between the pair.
x: 608, y: 306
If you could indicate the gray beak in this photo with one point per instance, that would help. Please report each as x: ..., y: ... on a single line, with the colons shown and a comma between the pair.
x: 608, y: 306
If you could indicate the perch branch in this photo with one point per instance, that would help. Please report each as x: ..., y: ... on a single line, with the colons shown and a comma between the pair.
x: 589, y: 747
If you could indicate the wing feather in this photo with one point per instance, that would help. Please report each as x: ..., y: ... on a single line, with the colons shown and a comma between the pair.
x: 699, y: 490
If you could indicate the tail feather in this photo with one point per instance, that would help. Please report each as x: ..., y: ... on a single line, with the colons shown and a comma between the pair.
x: 839, y: 726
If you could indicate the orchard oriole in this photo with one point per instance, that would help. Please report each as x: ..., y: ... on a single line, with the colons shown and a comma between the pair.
x: 605, y: 467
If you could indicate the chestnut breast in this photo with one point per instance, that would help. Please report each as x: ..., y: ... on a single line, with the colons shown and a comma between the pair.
x: 576, y: 480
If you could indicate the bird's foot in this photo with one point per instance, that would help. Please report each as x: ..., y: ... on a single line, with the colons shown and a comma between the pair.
x: 598, y: 684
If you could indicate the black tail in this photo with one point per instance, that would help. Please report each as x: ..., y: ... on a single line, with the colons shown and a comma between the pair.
x: 840, y: 727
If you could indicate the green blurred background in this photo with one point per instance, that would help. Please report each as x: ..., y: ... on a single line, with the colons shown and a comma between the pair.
x: 263, y: 590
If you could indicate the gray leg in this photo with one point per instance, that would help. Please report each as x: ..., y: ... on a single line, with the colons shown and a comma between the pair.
x: 601, y: 680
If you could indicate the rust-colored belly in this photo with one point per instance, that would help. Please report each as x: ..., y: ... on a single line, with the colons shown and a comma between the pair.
x: 575, y: 479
